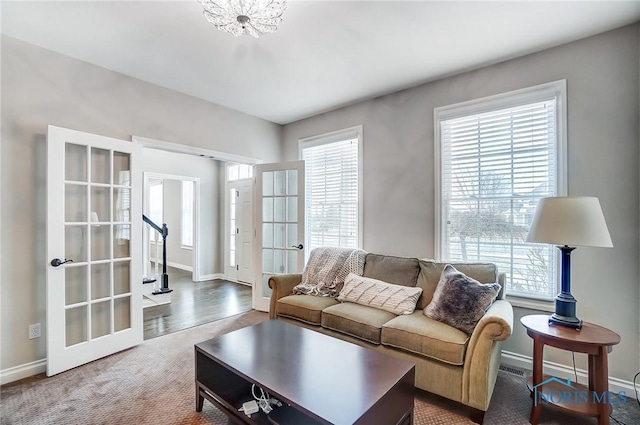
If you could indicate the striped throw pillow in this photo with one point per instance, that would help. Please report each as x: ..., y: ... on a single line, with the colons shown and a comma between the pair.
x: 396, y: 299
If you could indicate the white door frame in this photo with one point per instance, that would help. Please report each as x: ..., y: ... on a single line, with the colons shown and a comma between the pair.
x: 192, y: 150
x: 195, y: 254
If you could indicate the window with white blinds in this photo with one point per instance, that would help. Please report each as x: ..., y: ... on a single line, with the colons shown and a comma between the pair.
x: 332, y: 190
x: 498, y: 157
x: 187, y: 214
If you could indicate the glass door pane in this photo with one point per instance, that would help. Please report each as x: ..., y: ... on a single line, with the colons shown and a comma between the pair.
x: 97, y: 231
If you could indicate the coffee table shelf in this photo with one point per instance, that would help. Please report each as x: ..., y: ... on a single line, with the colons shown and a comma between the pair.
x: 228, y: 391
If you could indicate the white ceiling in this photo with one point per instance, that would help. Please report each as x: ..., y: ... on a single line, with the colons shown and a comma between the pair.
x: 326, y: 54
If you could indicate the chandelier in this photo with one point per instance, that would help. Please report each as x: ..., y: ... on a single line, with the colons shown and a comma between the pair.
x: 245, y: 17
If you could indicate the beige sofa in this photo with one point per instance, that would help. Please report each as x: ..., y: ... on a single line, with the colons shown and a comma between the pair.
x: 448, y: 362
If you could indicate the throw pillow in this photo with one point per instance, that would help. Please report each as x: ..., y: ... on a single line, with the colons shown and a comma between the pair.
x: 326, y: 270
x: 396, y: 299
x: 460, y: 301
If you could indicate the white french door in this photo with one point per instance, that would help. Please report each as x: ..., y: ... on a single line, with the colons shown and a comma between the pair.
x: 279, y: 207
x: 94, y: 247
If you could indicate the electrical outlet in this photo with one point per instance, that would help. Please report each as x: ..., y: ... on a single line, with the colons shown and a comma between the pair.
x: 34, y: 331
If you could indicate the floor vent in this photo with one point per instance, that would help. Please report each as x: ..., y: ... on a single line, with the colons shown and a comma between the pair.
x: 512, y: 370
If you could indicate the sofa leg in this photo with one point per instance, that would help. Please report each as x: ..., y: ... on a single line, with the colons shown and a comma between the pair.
x: 476, y: 415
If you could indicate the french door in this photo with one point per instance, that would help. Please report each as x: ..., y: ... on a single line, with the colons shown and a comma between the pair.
x: 94, y: 247
x: 279, y: 215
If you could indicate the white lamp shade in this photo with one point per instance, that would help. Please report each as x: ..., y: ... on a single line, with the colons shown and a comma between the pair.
x: 571, y: 221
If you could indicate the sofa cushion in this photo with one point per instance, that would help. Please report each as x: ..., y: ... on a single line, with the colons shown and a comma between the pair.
x: 356, y: 320
x: 419, y: 334
x: 396, y: 299
x: 430, y: 272
x: 461, y: 301
x: 307, y: 308
x: 396, y: 270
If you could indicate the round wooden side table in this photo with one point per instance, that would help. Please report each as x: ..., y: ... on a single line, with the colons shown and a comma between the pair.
x: 593, y: 340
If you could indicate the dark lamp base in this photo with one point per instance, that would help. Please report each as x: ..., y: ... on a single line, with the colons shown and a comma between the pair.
x: 565, y: 314
x: 569, y: 322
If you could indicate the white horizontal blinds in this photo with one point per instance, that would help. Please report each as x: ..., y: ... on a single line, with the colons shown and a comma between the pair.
x: 495, y: 167
x: 331, y: 185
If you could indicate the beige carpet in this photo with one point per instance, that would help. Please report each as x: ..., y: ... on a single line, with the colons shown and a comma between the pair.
x: 154, y: 384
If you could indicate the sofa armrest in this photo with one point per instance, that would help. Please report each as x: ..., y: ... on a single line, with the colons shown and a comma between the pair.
x: 281, y: 285
x: 496, y: 324
x: 482, y: 359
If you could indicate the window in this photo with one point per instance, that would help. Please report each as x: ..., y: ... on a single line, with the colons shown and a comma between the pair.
x: 155, y: 206
x: 497, y: 157
x: 187, y: 214
x: 239, y: 172
x: 332, y: 189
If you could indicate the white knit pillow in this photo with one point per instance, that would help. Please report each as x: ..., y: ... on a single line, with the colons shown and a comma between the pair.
x: 396, y: 299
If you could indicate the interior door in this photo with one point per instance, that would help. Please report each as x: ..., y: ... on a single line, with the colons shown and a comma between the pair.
x: 279, y: 206
x: 94, y: 245
x: 245, y: 231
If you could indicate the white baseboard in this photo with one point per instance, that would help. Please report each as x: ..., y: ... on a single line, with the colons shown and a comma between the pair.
x: 563, y: 371
x: 176, y: 265
x: 179, y: 266
x: 211, y: 276
x: 22, y: 371
x: 230, y: 279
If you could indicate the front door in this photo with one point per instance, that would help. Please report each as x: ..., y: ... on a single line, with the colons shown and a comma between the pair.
x: 244, y: 214
x: 94, y: 235
x: 241, y: 234
x: 279, y: 206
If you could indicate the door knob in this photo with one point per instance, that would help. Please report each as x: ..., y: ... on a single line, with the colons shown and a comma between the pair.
x: 299, y: 246
x: 56, y: 262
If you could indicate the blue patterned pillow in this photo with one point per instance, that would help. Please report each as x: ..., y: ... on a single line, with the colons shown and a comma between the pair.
x: 460, y: 301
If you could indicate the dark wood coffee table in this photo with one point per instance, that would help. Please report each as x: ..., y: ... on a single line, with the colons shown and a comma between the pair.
x: 319, y: 379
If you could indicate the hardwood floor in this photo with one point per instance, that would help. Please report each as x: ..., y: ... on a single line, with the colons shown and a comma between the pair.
x: 195, y: 303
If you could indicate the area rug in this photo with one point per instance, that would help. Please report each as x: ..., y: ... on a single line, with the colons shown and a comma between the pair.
x: 153, y: 383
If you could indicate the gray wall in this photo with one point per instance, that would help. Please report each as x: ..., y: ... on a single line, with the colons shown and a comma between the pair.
x: 211, y: 203
x: 41, y: 87
x: 602, y: 74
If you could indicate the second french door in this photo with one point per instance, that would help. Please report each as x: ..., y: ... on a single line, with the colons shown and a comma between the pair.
x: 279, y: 218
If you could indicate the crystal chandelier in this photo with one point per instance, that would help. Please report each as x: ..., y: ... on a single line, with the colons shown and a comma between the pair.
x: 248, y: 17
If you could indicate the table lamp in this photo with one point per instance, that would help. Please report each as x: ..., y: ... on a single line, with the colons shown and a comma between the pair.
x: 567, y: 222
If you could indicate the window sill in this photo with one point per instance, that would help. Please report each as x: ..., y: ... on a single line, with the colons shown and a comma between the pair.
x: 188, y: 248
x: 532, y: 304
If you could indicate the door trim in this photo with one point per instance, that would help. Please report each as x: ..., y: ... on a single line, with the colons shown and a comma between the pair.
x: 192, y: 150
